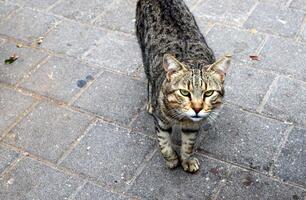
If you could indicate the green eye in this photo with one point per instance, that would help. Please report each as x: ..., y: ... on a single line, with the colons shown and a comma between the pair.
x: 184, y: 92
x: 209, y: 93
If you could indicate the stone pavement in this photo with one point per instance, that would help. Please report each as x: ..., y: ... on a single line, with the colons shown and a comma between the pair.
x: 72, y: 120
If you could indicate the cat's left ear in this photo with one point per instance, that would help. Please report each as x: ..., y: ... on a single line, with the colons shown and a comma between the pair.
x: 221, y: 66
x: 172, y: 65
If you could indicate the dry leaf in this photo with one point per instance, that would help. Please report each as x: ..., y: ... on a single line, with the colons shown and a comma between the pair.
x: 11, y: 59
x: 254, y: 57
x: 253, y: 30
x: 19, y: 45
x: 40, y: 40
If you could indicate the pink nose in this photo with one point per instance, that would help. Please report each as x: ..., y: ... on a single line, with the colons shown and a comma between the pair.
x: 197, y: 110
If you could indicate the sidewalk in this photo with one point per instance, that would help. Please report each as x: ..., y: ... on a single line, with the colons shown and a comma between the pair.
x: 71, y: 127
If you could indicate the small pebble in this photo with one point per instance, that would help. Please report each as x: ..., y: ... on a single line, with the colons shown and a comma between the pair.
x: 89, y: 78
x: 81, y: 83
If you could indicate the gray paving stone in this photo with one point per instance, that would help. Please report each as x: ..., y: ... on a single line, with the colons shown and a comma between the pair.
x: 247, y: 185
x: 115, y: 97
x: 288, y: 101
x: 58, y: 78
x: 291, y: 162
x: 81, y: 10
x: 204, y: 23
x: 144, y: 123
x: 121, y: 18
x: 27, y: 25
x: 72, y: 38
x: 191, y: 3
x: 298, y: 4
x: 48, y: 131
x: 28, y: 58
x: 6, y: 9
x: 283, y: 56
x: 245, y: 86
x: 11, y: 105
x: 33, y: 180
x: 116, y: 51
x: 91, y: 191
x: 231, y: 11
x: 158, y: 182
x: 109, y: 154
x: 269, y: 18
x: 244, y: 138
x: 241, y: 44
x: 7, y: 156
x: 38, y: 4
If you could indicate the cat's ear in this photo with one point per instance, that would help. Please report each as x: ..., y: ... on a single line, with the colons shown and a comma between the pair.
x: 171, y: 65
x: 221, y: 66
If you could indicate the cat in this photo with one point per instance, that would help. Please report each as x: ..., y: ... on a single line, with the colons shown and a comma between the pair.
x: 185, y: 82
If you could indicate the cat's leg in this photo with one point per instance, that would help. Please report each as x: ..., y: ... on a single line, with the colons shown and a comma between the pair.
x: 188, y: 161
x: 164, y: 141
x: 149, y: 103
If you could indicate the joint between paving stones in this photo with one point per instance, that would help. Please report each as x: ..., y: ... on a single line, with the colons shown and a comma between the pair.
x: 77, y: 190
x: 242, y: 167
x: 12, y: 165
x: 19, y: 118
x: 140, y: 169
x: 279, y: 149
x: 73, y: 145
x: 267, y: 95
x: 32, y: 70
x: 53, y: 5
x: 62, y: 169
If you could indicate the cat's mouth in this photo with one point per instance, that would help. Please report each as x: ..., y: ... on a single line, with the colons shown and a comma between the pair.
x: 196, y: 118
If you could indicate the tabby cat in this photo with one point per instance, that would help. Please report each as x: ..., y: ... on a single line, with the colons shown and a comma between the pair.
x: 185, y: 82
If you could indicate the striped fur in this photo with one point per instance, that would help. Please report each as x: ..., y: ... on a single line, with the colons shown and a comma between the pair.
x: 185, y: 82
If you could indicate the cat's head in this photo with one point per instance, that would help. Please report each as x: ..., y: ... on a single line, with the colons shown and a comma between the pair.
x: 193, y: 94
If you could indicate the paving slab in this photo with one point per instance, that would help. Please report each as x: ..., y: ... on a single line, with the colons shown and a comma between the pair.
x: 116, y: 51
x: 30, y: 179
x: 48, y: 131
x: 245, y: 86
x: 7, y: 156
x: 226, y: 40
x: 244, y: 138
x: 58, y: 78
x: 144, y: 123
x: 270, y: 19
x: 303, y: 33
x: 279, y: 3
x: 72, y: 38
x: 90, y: 191
x: 109, y: 154
x: 284, y: 57
x: 27, y: 25
x: 158, y: 182
x: 37, y: 4
x: 6, y: 9
x: 298, y: 4
x: 82, y: 10
x: 122, y: 18
x: 243, y: 185
x: 286, y: 103
x: 27, y: 59
x: 12, y: 104
x: 290, y: 165
x: 115, y: 97
x: 230, y: 11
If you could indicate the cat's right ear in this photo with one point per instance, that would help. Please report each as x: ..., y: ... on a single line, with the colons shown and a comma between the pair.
x: 171, y: 65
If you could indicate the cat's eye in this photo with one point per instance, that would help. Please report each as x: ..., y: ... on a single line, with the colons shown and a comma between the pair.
x: 208, y: 93
x: 184, y: 92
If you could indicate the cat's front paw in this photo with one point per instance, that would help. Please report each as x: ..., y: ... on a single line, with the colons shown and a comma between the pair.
x: 172, y: 163
x: 191, y: 164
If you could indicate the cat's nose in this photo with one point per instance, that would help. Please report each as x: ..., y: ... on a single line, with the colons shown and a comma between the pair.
x: 197, y: 109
